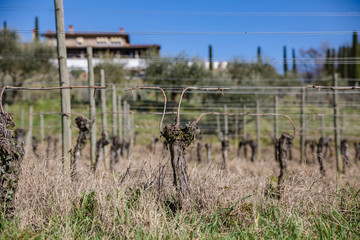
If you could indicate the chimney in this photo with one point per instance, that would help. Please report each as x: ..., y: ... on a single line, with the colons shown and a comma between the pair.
x: 71, y: 29
x: 121, y: 30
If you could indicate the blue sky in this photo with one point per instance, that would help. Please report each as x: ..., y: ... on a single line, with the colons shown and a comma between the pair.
x: 196, y: 16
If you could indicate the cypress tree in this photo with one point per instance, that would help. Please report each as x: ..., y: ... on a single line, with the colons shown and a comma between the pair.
x: 210, y: 58
x: 294, y: 61
x: 327, y: 61
x: 37, y: 29
x: 345, y: 65
x: 332, y: 65
x: 355, y: 73
x: 285, y: 62
x: 340, y: 65
x: 5, y: 25
x: 259, y: 56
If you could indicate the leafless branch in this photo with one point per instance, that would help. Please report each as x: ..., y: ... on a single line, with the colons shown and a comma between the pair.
x: 333, y: 88
x: 277, y: 114
x: 165, y: 101
x: 182, y: 95
x: 42, y: 88
x: 214, y: 113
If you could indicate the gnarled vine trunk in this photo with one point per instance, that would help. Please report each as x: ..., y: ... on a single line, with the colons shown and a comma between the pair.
x: 100, y: 149
x: 11, y: 154
x: 284, y: 143
x: 179, y: 138
x: 115, y: 150
x: 83, y: 125
x: 323, y: 143
x: 208, y: 151
x: 357, y: 152
x: 198, y: 152
x: 344, y: 149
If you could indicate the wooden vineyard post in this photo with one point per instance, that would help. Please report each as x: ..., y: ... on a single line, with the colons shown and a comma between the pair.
x: 29, y: 133
x: 42, y: 133
x: 225, y: 141
x: 6, y: 107
x: 226, y: 123
x: 244, y: 123
x: 323, y: 125
x: 302, y: 126
x: 342, y: 122
x: 129, y: 124
x: 120, y: 120
x: 218, y: 124
x: 105, y: 151
x: 258, y: 129
x: 126, y: 130
x: 103, y: 102
x: 339, y: 161
x: 276, y: 128
x: 236, y: 128
x: 114, y: 109
x: 65, y: 93
x: 22, y: 114
x: 92, y: 110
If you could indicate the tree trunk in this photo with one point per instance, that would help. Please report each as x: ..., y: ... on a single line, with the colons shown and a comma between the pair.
x: 344, y: 148
x: 323, y: 142
x: 84, y: 126
x: 253, y: 147
x: 284, y: 142
x: 198, y: 152
x: 224, y: 149
x: 208, y: 151
x: 178, y: 163
x: 34, y: 144
x: 115, y: 150
x: 48, y: 150
x: 357, y: 152
x: 179, y: 138
x: 100, y: 149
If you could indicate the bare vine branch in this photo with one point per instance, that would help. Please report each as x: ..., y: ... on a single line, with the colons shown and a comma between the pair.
x: 182, y: 95
x: 42, y: 88
x: 165, y: 101
x: 214, y: 113
x: 332, y: 87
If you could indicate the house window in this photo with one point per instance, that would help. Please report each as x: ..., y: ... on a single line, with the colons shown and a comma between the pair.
x: 79, y: 41
x: 116, y: 41
x: 101, y: 41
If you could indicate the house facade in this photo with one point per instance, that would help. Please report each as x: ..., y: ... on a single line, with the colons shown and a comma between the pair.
x: 111, y: 44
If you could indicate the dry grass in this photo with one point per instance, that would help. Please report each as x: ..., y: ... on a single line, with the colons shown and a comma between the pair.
x: 135, y: 201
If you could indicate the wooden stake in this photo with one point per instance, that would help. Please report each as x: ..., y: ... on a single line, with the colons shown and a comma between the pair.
x: 276, y: 128
x: 323, y: 125
x: 219, y: 127
x: 236, y: 128
x: 64, y: 82
x: 126, y: 130
x: 29, y: 133
x: 120, y: 120
x: 105, y: 151
x: 42, y: 133
x: 114, y: 115
x: 22, y: 121
x: 103, y: 102
x: 226, y: 123
x: 92, y: 110
x: 257, y: 130
x: 302, y: 126
x: 244, y: 122
x: 339, y: 161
